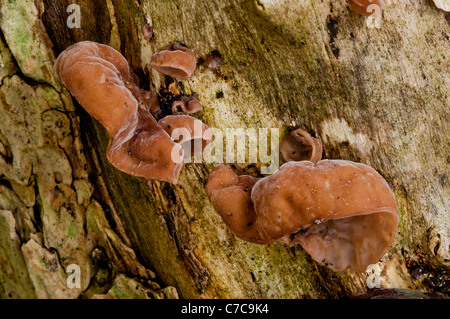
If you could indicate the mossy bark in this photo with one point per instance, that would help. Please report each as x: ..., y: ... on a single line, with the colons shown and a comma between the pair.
x: 373, y: 95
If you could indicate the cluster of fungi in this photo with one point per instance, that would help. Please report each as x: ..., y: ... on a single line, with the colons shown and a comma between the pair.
x: 101, y: 80
x: 341, y: 212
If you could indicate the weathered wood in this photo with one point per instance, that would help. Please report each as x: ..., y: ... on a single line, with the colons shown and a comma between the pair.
x: 376, y: 96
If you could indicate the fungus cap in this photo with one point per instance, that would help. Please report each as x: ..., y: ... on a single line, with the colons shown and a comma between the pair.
x: 187, y: 105
x: 101, y: 80
x: 95, y: 74
x: 214, y: 60
x: 300, y: 146
x: 149, y: 153
x: 342, y: 213
x: 175, y: 60
x: 230, y: 196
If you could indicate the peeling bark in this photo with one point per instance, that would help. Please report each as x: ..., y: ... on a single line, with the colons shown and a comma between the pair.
x: 376, y: 96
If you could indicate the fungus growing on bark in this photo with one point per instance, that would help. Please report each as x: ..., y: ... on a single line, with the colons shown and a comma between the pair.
x: 214, y: 60
x: 192, y: 134
x: 175, y: 60
x: 230, y: 196
x: 147, y: 31
x: 365, y: 7
x: 300, y: 146
x: 342, y: 213
x: 187, y: 105
x: 101, y: 80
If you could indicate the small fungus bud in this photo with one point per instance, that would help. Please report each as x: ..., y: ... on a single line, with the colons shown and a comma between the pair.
x: 214, y: 60
x: 147, y: 31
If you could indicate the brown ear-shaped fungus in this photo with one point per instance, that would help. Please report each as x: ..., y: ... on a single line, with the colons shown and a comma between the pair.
x: 192, y: 134
x: 300, y: 146
x: 365, y: 7
x: 95, y: 75
x: 150, y: 152
x: 230, y: 196
x: 175, y: 60
x: 187, y: 105
x: 214, y: 60
x: 101, y: 80
x: 342, y: 213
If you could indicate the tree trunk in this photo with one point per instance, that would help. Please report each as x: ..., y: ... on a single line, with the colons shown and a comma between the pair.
x: 373, y: 95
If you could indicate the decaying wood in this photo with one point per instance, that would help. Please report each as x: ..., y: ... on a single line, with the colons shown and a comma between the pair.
x: 373, y: 95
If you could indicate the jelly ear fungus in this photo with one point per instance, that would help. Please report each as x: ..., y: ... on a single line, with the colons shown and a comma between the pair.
x: 101, y: 80
x: 341, y: 212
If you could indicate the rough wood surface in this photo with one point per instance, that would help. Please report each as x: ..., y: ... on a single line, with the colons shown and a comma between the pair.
x: 373, y: 95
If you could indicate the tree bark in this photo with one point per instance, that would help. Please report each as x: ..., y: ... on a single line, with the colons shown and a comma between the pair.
x: 373, y: 95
